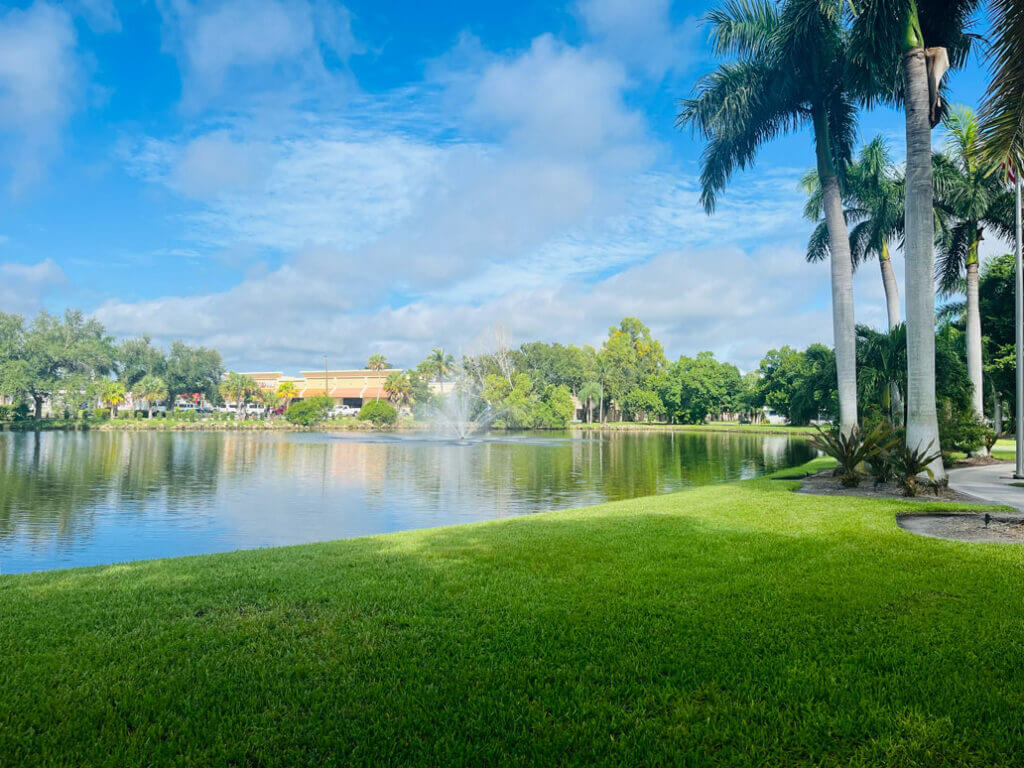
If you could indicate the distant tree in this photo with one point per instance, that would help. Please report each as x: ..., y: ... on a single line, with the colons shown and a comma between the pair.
x: 113, y: 395
x: 642, y: 404
x: 152, y: 389
x: 193, y: 369
x: 137, y: 358
x: 441, y: 364
x: 589, y: 394
x: 287, y: 391
x: 398, y: 389
x: 629, y: 357
x: 238, y: 388
x: 377, y: 362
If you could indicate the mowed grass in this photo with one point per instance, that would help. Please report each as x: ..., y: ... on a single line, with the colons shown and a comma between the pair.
x: 737, y: 624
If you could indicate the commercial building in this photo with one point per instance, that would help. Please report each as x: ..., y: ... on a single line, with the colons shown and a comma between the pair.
x: 353, y: 387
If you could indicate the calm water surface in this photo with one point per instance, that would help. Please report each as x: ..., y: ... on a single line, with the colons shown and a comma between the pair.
x: 86, y: 498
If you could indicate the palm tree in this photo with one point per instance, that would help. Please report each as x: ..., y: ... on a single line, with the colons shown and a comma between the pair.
x: 873, y: 195
x: 113, y: 395
x: 442, y: 363
x: 377, y: 362
x: 238, y: 387
x: 903, y: 49
x: 589, y: 393
x: 882, y: 366
x: 790, y: 70
x: 287, y: 391
x: 973, y: 199
x: 269, y: 399
x: 398, y: 388
x: 152, y: 389
x: 1002, y: 126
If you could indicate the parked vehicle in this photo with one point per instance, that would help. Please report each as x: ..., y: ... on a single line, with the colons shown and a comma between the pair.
x: 343, y: 411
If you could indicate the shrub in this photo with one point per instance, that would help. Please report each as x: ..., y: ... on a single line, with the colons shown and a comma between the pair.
x: 379, y: 413
x: 908, y: 464
x: 99, y: 414
x: 990, y: 439
x: 306, y: 413
x: 961, y: 431
x: 6, y: 412
x: 21, y: 411
x: 851, y: 450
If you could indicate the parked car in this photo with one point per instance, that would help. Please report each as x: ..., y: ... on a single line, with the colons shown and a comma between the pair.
x: 343, y: 411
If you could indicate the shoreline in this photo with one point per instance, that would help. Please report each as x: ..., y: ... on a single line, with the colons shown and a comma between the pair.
x: 353, y: 425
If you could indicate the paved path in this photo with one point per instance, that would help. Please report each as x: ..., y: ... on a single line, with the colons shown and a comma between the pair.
x: 991, y: 483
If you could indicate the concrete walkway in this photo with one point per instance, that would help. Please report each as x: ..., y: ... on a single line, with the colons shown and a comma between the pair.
x: 991, y: 483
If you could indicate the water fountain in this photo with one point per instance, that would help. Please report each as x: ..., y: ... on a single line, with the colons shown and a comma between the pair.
x: 454, y: 416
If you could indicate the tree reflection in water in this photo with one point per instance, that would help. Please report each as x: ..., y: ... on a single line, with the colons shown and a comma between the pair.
x: 78, y: 498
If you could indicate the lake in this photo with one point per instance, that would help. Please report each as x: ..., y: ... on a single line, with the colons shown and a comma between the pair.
x: 86, y: 498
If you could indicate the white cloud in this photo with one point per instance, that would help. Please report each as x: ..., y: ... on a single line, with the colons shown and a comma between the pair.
x: 101, y: 15
x: 641, y: 34
x: 524, y: 194
x: 23, y: 286
x: 239, y: 49
x: 39, y: 76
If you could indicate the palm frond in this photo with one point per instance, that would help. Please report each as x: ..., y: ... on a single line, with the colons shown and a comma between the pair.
x: 1002, y: 110
x: 741, y: 27
x: 952, y: 256
x: 818, y: 244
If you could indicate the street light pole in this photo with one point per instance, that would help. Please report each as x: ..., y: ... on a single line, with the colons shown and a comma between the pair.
x: 1019, y: 278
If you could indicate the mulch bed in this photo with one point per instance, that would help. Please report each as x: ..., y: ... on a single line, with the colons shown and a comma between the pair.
x: 825, y: 484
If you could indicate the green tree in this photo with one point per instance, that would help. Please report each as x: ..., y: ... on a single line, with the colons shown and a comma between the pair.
x: 398, y: 388
x: 589, y: 394
x: 238, y: 388
x: 193, y: 370
x: 902, y: 49
x: 441, y: 364
x: 629, y: 358
x: 789, y: 69
x: 113, y: 395
x: 973, y: 200
x: 873, y: 196
x: 137, y: 358
x: 152, y: 389
x: 1002, y: 129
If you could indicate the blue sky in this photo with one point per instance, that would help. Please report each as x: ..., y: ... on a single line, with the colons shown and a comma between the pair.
x: 284, y: 179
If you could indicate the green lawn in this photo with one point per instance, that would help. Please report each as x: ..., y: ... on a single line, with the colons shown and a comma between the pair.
x: 737, y: 624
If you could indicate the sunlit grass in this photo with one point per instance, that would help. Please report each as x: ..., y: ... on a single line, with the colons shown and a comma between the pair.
x: 737, y: 624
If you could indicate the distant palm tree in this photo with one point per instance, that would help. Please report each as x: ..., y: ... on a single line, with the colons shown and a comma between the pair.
x: 790, y: 70
x: 287, y: 391
x: 269, y: 399
x: 873, y: 195
x: 398, y: 388
x: 590, y: 393
x: 238, y: 388
x: 152, y: 389
x: 441, y: 363
x: 377, y: 362
x: 113, y: 395
x: 973, y: 199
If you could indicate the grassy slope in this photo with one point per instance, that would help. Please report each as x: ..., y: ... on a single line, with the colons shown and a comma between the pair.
x: 726, y: 625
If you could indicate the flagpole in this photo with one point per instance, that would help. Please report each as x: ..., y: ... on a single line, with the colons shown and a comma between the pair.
x: 1019, y: 322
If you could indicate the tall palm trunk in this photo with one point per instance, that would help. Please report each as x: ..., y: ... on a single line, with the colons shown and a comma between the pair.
x: 843, y: 326
x: 892, y: 289
x: 892, y: 308
x: 922, y: 424
x: 974, y: 333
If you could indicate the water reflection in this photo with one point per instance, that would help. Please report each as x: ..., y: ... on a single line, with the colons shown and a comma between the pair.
x: 80, y: 498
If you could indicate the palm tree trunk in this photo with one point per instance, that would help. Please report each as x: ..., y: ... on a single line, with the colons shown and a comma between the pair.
x: 892, y: 289
x: 974, y: 334
x: 922, y: 425
x: 974, y: 365
x: 843, y: 325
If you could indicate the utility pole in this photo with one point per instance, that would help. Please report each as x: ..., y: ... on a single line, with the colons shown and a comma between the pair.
x: 1019, y: 405
x: 325, y: 376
